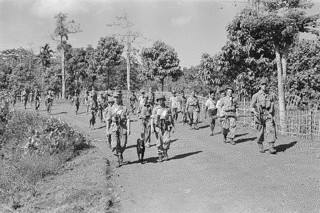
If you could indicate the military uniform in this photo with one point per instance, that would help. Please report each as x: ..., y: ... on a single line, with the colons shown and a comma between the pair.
x: 106, y: 116
x: 133, y: 99
x: 162, y: 123
x: 262, y: 105
x: 37, y: 100
x: 120, y: 122
x: 24, y: 96
x: 228, y: 110
x: 193, y: 108
x: 76, y: 100
x: 93, y: 113
x: 183, y: 103
x: 145, y: 118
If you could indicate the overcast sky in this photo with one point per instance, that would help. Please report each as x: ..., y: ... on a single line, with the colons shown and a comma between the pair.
x: 191, y: 27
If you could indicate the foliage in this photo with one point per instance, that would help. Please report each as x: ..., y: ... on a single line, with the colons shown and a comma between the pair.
x: 22, y: 167
x: 304, y: 67
x: 160, y: 61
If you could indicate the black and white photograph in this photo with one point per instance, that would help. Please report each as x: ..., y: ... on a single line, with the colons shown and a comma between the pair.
x: 160, y: 106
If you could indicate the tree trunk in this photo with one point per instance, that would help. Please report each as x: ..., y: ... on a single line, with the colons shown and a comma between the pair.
x: 63, y: 76
x: 284, y: 59
x: 281, y: 95
x: 162, y: 82
x: 128, y: 63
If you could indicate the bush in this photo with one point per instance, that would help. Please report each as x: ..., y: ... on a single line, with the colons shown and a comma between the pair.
x: 33, y: 147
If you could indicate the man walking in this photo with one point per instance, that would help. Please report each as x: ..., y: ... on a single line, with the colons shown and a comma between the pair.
x: 174, y: 102
x: 262, y: 106
x: 133, y: 99
x: 162, y: 124
x: 228, y: 110
x: 119, y: 128
x: 211, y: 109
x: 193, y: 109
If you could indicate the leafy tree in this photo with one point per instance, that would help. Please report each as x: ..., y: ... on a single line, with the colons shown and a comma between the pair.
x: 160, y: 61
x: 45, y: 58
x: 107, y: 55
x: 209, y: 73
x: 277, y: 22
x: 62, y: 30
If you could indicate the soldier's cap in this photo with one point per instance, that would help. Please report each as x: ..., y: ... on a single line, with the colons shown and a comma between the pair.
x: 228, y: 87
x: 160, y: 97
x: 116, y: 94
x: 110, y: 100
x: 264, y: 81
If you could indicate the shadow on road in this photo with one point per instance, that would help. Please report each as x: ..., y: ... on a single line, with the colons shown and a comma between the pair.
x: 174, y: 140
x: 239, y: 135
x: 284, y: 147
x: 79, y: 113
x: 59, y: 113
x: 243, y: 140
x: 184, y: 155
x: 204, y: 126
x: 101, y: 127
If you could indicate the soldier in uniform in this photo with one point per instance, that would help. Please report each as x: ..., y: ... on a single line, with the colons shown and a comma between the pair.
x: 262, y: 106
x: 174, y: 102
x: 76, y: 101
x: 93, y: 112
x: 87, y: 101
x: 100, y: 102
x: 193, y: 109
x: 119, y: 127
x: 37, y: 99
x: 212, y: 110
x: 24, y: 96
x: 183, y: 102
x: 141, y: 100
x: 145, y: 116
x: 133, y: 99
x: 107, y: 120
x: 162, y: 124
x: 151, y: 97
x: 228, y: 110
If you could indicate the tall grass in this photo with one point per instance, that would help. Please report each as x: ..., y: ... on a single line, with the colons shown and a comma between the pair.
x: 22, y: 166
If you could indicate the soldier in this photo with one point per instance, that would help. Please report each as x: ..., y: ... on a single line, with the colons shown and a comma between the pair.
x: 49, y: 101
x: 87, y: 101
x: 119, y: 127
x: 174, y: 102
x: 37, y: 99
x: 162, y: 124
x: 193, y: 109
x: 151, y: 97
x: 262, y: 106
x: 76, y: 101
x: 212, y: 110
x: 24, y: 98
x: 93, y: 112
x: 107, y: 120
x: 101, y: 103
x: 183, y: 102
x: 133, y: 99
x: 145, y: 116
x: 141, y: 100
x: 228, y: 110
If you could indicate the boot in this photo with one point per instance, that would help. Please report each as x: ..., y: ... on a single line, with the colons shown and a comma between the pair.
x: 160, y: 158
x: 232, y: 141
x: 165, y: 155
x: 261, y: 150
x: 272, y: 150
x: 118, y: 159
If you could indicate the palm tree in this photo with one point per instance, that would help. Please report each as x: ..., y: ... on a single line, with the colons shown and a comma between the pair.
x: 44, y: 59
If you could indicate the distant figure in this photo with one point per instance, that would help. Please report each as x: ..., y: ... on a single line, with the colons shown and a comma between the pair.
x: 24, y: 98
x: 133, y: 100
x: 193, y: 108
x: 211, y: 109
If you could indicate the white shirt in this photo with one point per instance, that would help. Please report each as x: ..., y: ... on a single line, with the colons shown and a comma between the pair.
x: 211, y: 104
x: 174, y: 102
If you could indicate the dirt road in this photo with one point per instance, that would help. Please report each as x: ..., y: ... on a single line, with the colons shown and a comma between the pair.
x: 206, y: 175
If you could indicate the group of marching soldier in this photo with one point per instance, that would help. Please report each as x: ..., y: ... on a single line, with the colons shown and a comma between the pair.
x: 155, y: 116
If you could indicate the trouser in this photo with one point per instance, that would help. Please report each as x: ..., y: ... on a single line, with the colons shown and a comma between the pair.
x: 77, y: 106
x: 266, y: 129
x: 119, y: 140
x: 229, y: 127
x: 163, y: 139
x: 193, y: 116
x: 92, y: 120
x: 37, y: 104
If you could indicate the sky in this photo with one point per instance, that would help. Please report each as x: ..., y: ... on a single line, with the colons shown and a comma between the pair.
x: 191, y: 27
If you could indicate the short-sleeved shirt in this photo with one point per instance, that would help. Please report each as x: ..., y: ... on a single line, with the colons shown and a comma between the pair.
x: 193, y: 102
x: 141, y: 100
x: 161, y: 112
x: 183, y: 101
x: 265, y: 100
x: 118, y: 114
x: 228, y: 105
x: 174, y: 101
x: 145, y: 112
x: 211, y: 104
